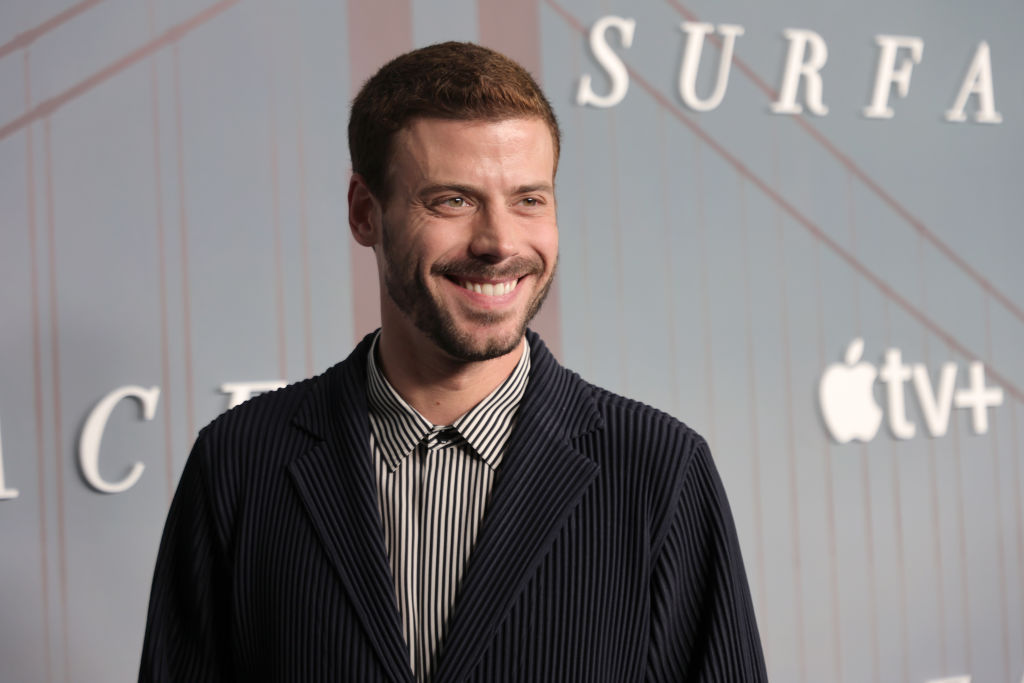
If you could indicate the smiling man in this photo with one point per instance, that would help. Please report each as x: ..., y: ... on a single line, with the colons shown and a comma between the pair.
x: 449, y: 503
x: 466, y: 245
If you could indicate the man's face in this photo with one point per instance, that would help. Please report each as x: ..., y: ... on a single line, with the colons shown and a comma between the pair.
x: 469, y: 238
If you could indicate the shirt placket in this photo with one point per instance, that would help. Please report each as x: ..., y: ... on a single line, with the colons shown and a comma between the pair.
x: 430, y: 624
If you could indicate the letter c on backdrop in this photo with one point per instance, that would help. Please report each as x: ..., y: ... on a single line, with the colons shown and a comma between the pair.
x: 92, y: 434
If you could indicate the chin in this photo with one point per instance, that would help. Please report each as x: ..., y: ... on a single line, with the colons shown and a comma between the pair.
x: 469, y: 347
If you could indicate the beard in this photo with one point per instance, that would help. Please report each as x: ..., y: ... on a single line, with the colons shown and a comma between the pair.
x: 407, y: 288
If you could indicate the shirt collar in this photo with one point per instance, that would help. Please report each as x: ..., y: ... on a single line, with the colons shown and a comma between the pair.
x: 398, y: 427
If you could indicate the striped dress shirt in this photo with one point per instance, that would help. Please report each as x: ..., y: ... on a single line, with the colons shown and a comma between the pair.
x: 432, y: 488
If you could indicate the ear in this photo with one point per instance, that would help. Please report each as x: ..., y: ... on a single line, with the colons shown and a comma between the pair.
x: 364, y: 212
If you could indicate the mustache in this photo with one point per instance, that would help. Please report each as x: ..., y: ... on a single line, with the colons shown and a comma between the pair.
x: 511, y: 269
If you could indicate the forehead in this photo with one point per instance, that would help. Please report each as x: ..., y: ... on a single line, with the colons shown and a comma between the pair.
x: 433, y: 146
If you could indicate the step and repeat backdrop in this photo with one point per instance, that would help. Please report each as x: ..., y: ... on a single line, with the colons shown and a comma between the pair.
x: 794, y: 225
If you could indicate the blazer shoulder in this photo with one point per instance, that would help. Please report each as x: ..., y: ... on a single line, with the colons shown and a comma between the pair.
x: 305, y: 404
x: 266, y: 411
x: 656, y: 452
x: 610, y: 428
x: 645, y: 425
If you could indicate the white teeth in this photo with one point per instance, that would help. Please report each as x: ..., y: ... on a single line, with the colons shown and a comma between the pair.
x: 488, y: 289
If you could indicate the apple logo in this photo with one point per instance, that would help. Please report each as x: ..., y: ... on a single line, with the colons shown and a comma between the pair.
x: 847, y: 398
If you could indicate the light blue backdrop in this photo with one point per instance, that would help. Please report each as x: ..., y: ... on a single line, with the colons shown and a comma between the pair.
x: 173, y: 175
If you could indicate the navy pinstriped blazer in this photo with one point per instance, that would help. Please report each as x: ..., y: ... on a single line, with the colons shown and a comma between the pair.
x: 607, y: 553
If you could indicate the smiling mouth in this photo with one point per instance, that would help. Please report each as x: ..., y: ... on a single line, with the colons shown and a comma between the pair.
x: 488, y: 288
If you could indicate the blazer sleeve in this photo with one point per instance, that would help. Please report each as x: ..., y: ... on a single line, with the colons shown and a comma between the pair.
x: 187, y: 623
x: 702, y: 626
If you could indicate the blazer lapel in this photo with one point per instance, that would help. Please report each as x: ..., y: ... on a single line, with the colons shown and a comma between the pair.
x: 335, y: 481
x: 542, y: 479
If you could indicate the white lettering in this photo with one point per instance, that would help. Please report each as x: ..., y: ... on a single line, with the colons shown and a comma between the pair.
x: 894, y: 373
x: 935, y: 407
x: 5, y: 493
x: 799, y: 65
x: 611, y: 62
x: 240, y: 392
x: 695, y: 33
x: 977, y: 82
x: 978, y: 398
x: 92, y: 434
x: 847, y: 403
x: 887, y: 73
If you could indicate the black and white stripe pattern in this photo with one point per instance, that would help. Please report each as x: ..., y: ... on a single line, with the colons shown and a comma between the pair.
x: 432, y: 488
x: 608, y: 553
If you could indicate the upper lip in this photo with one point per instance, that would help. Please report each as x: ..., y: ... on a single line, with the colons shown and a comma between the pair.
x: 476, y: 271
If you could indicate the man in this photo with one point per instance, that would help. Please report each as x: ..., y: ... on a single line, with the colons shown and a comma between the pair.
x: 450, y: 504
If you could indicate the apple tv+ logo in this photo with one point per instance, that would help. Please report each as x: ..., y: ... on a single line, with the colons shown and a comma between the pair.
x: 847, y: 398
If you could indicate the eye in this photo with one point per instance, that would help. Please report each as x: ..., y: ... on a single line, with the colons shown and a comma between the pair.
x: 454, y: 202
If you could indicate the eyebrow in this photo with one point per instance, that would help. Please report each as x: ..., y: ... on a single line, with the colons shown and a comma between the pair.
x: 536, y: 187
x: 473, y: 192
x: 447, y: 187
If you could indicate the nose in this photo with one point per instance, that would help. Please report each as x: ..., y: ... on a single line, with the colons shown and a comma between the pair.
x: 495, y: 235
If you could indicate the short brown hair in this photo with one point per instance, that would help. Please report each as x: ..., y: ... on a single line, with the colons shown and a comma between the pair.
x: 460, y: 81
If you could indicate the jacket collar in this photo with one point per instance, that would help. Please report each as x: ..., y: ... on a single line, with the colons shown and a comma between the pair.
x: 540, y: 482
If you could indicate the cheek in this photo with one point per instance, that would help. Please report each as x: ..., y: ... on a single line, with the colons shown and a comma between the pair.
x: 442, y: 242
x: 425, y: 240
x: 547, y: 246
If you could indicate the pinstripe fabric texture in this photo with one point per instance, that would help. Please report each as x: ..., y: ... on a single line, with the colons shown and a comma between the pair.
x: 432, y: 488
x: 607, y: 551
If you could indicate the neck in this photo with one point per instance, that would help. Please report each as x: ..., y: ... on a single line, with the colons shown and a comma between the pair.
x: 440, y: 387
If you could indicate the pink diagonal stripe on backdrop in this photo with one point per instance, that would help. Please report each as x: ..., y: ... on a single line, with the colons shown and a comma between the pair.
x: 168, y: 37
x: 805, y: 222
x: 26, y: 38
x: 868, y: 182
